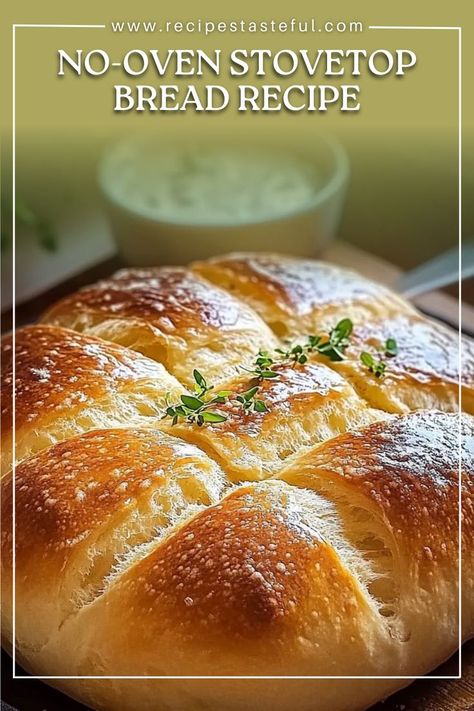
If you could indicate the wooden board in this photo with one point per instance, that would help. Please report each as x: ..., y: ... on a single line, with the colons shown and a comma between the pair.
x: 423, y: 695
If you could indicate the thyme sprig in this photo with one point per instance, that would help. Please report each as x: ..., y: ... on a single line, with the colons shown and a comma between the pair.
x: 249, y: 401
x: 391, y: 347
x: 201, y: 409
x: 296, y: 354
x: 378, y: 366
x: 202, y: 406
x: 263, y: 367
x: 335, y: 345
x: 375, y: 365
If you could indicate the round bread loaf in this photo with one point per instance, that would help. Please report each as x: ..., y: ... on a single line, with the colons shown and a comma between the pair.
x: 306, y: 525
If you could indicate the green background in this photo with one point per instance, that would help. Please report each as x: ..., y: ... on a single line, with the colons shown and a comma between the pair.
x: 402, y: 200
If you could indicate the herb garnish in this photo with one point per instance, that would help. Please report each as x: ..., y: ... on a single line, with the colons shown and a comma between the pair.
x: 391, y: 347
x: 263, y: 367
x: 336, y: 344
x: 332, y: 347
x: 295, y: 354
x: 375, y: 366
x: 249, y: 401
x: 198, y: 408
x: 378, y: 366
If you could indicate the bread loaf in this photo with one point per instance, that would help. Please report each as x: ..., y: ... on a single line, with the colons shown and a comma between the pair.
x: 313, y: 535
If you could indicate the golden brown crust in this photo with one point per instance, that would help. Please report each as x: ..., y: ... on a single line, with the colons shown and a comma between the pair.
x: 241, y: 588
x: 59, y: 370
x: 245, y: 567
x: 397, y: 487
x: 296, y: 295
x: 67, y: 383
x: 407, y: 470
x: 82, y: 503
x: 170, y: 315
x: 305, y: 405
x: 134, y: 553
x: 424, y: 373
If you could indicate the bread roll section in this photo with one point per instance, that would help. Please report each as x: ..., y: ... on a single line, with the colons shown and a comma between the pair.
x: 305, y: 405
x: 85, y: 506
x: 299, y: 296
x: 170, y: 315
x: 424, y: 374
x: 397, y: 486
x: 68, y: 383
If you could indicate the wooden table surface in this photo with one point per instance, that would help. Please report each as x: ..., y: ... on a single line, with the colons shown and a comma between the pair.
x: 423, y: 695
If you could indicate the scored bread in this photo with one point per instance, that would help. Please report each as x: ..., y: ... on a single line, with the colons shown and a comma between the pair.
x: 84, y: 505
x: 346, y: 564
x: 297, y: 296
x: 316, y: 535
x: 306, y: 404
x: 67, y: 383
x: 424, y: 373
x: 170, y: 315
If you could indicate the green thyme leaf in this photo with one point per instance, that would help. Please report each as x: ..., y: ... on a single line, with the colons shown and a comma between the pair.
x: 213, y: 417
x: 313, y: 342
x: 391, y: 347
x: 343, y: 329
x: 193, y: 403
x: 367, y: 359
x: 199, y: 379
x: 333, y: 352
x: 249, y: 394
x: 377, y: 367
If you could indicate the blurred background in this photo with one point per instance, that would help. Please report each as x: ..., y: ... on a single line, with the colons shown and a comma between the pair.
x: 388, y: 184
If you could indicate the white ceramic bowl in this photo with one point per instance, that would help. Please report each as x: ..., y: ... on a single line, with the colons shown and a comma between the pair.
x: 147, y: 236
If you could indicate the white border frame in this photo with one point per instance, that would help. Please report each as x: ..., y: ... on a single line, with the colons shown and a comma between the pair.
x: 407, y: 678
